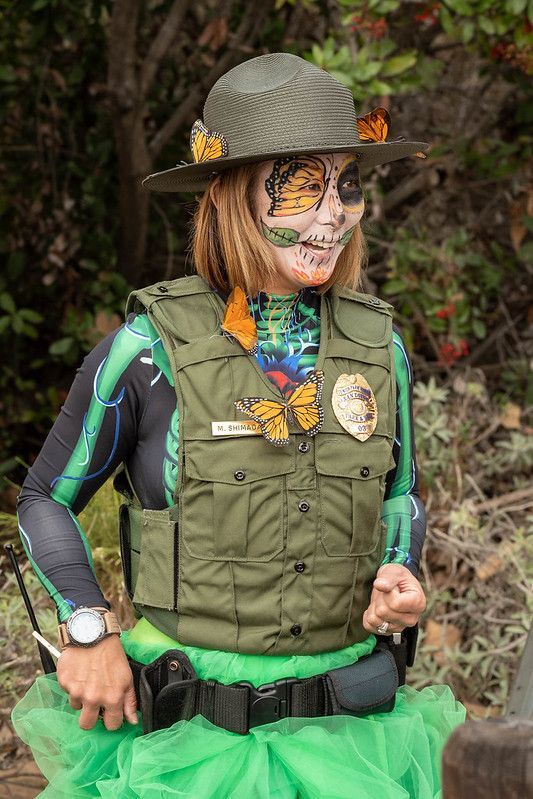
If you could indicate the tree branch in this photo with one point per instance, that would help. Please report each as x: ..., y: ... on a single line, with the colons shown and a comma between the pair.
x: 247, y: 29
x: 122, y: 45
x: 159, y: 47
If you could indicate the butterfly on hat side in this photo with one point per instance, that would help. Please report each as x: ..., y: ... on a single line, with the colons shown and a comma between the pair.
x: 375, y: 126
x: 302, y: 407
x: 207, y: 145
x: 238, y: 322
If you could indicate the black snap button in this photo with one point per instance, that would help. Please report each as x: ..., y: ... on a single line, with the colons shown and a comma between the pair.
x: 162, y: 289
x: 239, y: 474
x: 364, y: 471
x: 375, y: 301
x: 303, y: 506
x: 299, y: 566
x: 296, y: 629
x: 303, y: 446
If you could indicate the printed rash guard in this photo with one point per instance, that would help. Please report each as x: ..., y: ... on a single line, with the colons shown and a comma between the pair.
x: 122, y: 408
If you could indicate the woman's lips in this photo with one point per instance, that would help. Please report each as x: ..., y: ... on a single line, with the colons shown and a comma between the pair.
x: 318, y: 250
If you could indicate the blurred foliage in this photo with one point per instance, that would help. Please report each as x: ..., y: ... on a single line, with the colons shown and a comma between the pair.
x: 478, y: 550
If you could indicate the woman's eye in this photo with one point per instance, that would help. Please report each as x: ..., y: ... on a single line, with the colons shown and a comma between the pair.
x: 351, y: 184
x: 314, y: 187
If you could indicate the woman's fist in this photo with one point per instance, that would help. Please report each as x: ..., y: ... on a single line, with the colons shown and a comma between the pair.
x: 397, y: 598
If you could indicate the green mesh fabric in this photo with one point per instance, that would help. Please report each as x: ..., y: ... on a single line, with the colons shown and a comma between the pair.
x: 389, y: 755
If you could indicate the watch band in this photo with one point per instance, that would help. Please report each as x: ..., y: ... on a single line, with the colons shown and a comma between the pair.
x: 110, y: 622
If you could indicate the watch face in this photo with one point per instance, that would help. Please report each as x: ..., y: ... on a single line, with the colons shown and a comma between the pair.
x: 85, y: 626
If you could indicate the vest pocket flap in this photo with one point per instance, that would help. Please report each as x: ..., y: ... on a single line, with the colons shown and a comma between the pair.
x: 366, y: 685
x: 346, y: 456
x: 341, y: 348
x: 237, y: 461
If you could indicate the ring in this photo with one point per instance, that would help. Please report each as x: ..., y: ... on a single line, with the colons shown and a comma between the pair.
x: 383, y: 627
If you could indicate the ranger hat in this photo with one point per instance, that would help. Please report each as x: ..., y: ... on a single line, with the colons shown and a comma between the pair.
x: 272, y: 106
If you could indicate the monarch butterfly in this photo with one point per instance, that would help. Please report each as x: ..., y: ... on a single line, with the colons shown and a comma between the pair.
x: 375, y: 125
x: 238, y: 321
x: 302, y: 407
x: 207, y: 145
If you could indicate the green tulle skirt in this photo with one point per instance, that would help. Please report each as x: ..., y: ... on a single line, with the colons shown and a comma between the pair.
x: 388, y: 755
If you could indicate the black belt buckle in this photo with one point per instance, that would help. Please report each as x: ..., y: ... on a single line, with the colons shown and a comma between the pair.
x: 269, y: 702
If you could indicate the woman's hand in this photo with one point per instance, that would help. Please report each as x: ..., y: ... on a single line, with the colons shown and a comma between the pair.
x: 98, y: 677
x: 397, y: 598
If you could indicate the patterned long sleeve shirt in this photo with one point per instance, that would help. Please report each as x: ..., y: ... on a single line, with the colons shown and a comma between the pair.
x: 122, y: 409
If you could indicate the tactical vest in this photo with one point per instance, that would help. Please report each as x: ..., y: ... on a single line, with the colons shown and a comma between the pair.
x: 266, y: 549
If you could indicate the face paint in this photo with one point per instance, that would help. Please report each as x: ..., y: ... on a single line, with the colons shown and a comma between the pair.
x: 307, y: 208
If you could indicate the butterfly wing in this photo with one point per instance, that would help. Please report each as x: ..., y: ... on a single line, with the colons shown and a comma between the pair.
x: 304, y: 403
x: 238, y: 321
x: 295, y: 185
x: 374, y: 126
x: 270, y: 415
x: 207, y: 145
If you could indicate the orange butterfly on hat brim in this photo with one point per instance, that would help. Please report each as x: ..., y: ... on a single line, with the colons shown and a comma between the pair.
x: 238, y: 321
x: 375, y: 126
x: 302, y: 406
x: 207, y: 145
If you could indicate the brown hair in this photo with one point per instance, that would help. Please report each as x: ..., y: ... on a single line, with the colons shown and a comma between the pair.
x: 229, y: 250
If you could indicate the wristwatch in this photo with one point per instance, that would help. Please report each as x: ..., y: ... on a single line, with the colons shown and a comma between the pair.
x: 87, y: 626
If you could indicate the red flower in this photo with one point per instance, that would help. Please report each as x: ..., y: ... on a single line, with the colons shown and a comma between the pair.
x: 447, y: 311
x: 449, y: 353
x: 429, y: 13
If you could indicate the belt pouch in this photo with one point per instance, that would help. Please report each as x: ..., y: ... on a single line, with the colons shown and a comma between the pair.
x: 365, y: 687
x: 167, y: 688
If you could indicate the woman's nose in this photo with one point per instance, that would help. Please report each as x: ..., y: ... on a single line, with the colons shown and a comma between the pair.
x: 333, y: 213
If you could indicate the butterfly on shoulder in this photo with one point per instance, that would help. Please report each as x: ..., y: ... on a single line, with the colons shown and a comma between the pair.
x: 207, y: 145
x: 375, y: 126
x: 238, y: 322
x: 302, y: 407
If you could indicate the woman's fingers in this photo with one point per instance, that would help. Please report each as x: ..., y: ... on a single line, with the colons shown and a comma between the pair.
x: 113, y: 716
x: 130, y: 705
x: 89, y: 715
x: 75, y: 703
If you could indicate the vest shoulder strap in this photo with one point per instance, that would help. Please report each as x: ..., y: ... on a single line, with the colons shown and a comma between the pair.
x: 186, y: 308
x: 360, y: 317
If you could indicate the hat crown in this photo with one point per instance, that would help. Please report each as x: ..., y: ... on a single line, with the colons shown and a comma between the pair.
x: 280, y: 101
x: 263, y: 73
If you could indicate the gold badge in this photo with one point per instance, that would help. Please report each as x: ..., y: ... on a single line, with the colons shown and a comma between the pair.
x: 354, y: 405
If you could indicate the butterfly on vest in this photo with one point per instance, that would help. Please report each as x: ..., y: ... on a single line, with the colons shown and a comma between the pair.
x: 375, y: 126
x: 302, y: 407
x: 206, y: 145
x: 238, y: 322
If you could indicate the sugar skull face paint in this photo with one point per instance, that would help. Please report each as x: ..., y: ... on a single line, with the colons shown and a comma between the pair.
x: 307, y: 207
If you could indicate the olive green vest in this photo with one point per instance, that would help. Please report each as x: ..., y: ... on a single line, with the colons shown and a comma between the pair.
x: 266, y: 549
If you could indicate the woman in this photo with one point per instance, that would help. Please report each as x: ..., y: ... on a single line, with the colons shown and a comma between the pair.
x: 271, y: 525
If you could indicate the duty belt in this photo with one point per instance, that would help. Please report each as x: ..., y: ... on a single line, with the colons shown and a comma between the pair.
x: 168, y: 690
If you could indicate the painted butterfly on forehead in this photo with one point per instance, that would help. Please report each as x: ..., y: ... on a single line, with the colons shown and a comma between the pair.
x: 302, y: 407
x: 375, y: 126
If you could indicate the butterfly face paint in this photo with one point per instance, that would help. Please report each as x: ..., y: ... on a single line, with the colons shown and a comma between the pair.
x: 307, y: 207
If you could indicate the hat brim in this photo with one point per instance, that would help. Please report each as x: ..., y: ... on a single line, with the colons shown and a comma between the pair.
x: 196, y: 177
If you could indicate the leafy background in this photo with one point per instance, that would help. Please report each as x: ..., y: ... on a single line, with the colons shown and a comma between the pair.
x: 96, y: 94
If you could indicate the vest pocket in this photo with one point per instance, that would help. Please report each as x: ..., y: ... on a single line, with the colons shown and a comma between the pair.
x: 155, y: 582
x: 232, y: 505
x: 351, y: 486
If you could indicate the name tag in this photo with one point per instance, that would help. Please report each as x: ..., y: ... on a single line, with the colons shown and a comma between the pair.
x: 245, y: 428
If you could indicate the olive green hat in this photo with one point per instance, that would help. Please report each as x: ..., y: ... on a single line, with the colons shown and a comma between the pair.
x: 272, y: 106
